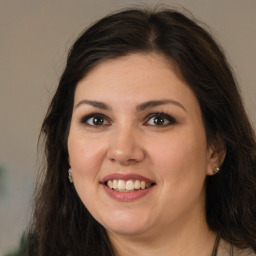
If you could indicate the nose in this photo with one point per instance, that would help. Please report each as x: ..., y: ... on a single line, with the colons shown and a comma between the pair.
x: 126, y: 147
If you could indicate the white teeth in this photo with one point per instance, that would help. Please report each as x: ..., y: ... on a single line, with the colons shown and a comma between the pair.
x: 137, y: 184
x: 115, y: 184
x: 129, y: 185
x: 110, y: 183
x: 121, y: 185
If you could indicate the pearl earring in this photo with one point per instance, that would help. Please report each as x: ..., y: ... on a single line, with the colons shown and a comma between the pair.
x: 215, y: 170
x: 70, y: 176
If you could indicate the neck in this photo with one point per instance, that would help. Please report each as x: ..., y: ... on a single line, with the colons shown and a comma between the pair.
x: 192, y: 238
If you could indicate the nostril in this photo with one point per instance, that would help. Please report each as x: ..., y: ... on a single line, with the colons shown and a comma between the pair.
x: 126, y: 152
x: 124, y: 162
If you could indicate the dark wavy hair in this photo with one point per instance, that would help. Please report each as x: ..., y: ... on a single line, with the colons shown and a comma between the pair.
x: 62, y: 225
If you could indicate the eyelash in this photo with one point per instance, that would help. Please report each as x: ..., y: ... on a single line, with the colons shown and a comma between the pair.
x: 103, y: 118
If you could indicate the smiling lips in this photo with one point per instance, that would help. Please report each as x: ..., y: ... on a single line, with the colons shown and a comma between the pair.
x: 127, y: 187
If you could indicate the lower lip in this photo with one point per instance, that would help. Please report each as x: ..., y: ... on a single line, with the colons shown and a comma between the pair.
x: 127, y: 196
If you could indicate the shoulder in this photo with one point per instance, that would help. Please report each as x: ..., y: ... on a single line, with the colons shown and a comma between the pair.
x: 226, y: 249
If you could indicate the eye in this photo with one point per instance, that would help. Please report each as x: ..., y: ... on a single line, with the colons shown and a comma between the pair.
x: 160, y: 119
x: 95, y: 120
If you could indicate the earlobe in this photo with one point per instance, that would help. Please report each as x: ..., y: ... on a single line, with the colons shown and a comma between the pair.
x: 216, y: 158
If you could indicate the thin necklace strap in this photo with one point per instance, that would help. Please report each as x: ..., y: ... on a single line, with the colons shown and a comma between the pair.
x: 216, y: 245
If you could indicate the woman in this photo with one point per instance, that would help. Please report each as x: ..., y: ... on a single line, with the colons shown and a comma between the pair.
x: 148, y: 148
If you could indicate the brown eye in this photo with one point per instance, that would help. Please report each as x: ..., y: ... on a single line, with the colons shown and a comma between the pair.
x: 95, y: 120
x: 160, y: 119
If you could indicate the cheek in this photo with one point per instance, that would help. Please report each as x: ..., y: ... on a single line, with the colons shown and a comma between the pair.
x: 84, y: 160
x: 182, y: 162
x: 180, y: 150
x: 181, y: 167
x: 83, y: 154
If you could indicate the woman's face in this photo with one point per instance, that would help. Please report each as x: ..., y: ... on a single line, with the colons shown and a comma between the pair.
x: 137, y: 127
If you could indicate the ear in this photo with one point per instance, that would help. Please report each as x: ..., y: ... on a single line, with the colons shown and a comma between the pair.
x: 216, y: 154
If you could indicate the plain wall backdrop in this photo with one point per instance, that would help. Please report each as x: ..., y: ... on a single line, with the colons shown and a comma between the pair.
x: 35, y: 36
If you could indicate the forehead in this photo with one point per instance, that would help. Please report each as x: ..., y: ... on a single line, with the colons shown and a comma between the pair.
x: 135, y: 77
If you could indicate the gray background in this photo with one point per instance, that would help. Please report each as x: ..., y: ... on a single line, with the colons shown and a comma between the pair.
x: 35, y: 37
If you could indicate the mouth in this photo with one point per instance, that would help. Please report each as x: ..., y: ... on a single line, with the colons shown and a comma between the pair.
x: 128, y: 185
x: 127, y: 182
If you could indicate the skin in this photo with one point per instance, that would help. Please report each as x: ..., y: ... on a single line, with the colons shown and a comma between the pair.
x: 170, y: 220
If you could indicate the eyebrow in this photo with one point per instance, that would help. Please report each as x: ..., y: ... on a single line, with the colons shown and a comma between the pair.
x: 139, y: 108
x: 155, y: 103
x: 96, y: 104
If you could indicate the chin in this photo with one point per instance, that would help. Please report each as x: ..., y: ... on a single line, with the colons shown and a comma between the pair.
x: 128, y: 224
x: 131, y: 231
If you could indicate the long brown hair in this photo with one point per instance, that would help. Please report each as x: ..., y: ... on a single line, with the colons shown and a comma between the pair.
x: 62, y: 225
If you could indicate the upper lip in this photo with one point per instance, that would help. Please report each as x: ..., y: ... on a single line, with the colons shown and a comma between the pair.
x: 125, y: 177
